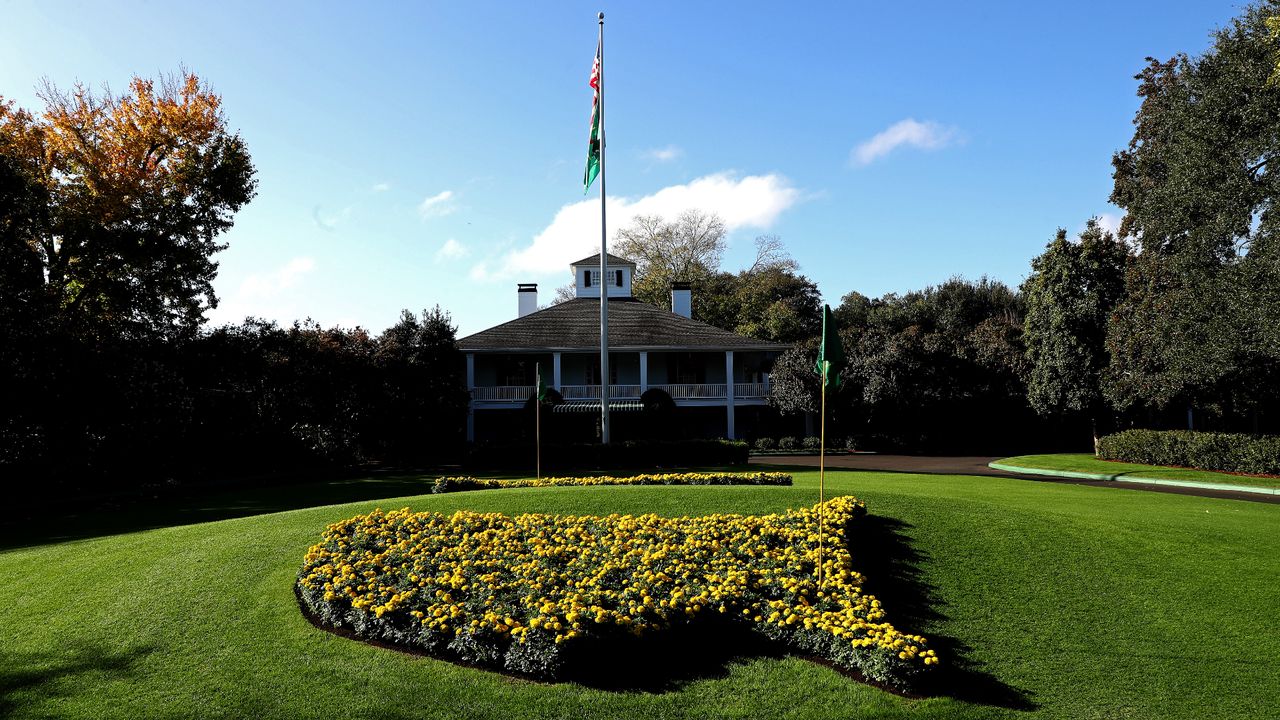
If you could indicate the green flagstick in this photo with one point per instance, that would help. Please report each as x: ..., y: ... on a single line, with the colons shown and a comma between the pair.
x: 830, y: 357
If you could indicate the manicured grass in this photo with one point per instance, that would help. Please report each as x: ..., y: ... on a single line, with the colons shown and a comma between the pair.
x: 1065, y: 601
x: 1086, y: 463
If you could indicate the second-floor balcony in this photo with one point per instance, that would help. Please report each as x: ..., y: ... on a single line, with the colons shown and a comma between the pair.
x: 677, y: 391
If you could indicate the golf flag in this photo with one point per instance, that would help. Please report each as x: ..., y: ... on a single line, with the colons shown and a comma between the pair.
x: 593, y: 142
x: 831, y: 353
x: 542, y: 386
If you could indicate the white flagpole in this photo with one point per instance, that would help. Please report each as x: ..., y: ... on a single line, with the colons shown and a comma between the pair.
x: 604, y: 284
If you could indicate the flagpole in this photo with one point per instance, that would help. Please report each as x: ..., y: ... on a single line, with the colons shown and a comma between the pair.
x: 822, y: 468
x: 604, y: 256
x: 537, y: 423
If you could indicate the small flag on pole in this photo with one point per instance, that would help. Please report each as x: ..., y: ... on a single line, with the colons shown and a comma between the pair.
x: 831, y: 353
x: 593, y: 142
x: 542, y: 385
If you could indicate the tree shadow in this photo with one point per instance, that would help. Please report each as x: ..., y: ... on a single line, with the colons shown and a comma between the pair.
x: 883, y: 553
x: 41, y: 673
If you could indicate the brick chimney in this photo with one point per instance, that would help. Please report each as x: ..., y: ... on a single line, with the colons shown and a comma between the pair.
x: 527, y: 293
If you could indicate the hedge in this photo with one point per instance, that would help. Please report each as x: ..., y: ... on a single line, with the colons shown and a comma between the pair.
x: 1227, y: 452
x: 455, y: 484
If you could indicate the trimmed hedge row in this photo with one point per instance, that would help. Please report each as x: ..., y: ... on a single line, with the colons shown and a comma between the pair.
x: 629, y: 454
x: 455, y: 484
x: 1228, y: 452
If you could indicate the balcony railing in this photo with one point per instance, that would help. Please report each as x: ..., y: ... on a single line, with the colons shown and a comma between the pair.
x: 678, y: 391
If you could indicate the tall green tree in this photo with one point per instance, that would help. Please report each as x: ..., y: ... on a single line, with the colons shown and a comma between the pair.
x: 1070, y: 294
x: 139, y: 188
x: 687, y: 249
x: 1199, y: 184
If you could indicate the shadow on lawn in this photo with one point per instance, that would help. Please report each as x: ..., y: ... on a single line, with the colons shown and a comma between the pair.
x: 58, y: 673
x: 892, y: 570
x: 45, y: 523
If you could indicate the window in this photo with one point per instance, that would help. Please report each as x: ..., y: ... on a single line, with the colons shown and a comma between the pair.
x: 586, y: 278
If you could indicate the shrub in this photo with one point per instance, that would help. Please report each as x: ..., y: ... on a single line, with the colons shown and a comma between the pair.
x: 787, y: 443
x: 525, y: 593
x: 812, y: 443
x: 765, y: 443
x: 454, y: 484
x: 1228, y: 452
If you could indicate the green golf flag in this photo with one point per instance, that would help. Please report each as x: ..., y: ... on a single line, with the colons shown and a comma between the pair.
x: 542, y: 387
x: 593, y: 142
x: 831, y: 353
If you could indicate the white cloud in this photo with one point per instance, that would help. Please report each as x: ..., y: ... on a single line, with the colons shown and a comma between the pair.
x: 380, y: 187
x: 266, y: 295
x: 452, y: 250
x: 1110, y: 222
x: 437, y: 205
x: 329, y: 221
x: 666, y: 154
x: 754, y: 201
x: 922, y: 135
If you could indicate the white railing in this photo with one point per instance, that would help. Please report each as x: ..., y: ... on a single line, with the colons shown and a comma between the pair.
x: 588, y: 392
x: 502, y: 392
x: 686, y: 391
x: 678, y: 391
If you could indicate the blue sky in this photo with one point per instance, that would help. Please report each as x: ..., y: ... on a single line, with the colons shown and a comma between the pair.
x: 417, y: 154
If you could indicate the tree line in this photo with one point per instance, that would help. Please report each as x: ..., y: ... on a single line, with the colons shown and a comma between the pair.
x: 111, y: 210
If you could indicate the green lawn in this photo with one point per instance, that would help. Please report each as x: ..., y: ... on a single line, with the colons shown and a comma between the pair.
x: 1053, y: 600
x: 1086, y: 463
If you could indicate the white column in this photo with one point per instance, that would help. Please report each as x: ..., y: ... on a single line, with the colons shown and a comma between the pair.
x: 728, y: 391
x: 471, y: 385
x: 555, y: 371
x: 644, y: 371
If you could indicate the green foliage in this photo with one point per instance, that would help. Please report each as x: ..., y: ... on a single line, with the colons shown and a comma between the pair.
x: 1228, y: 452
x: 942, y: 366
x: 1199, y: 183
x: 1070, y: 294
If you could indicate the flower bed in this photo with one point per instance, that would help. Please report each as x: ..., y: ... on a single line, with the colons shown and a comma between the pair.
x: 453, y: 484
x: 523, y: 593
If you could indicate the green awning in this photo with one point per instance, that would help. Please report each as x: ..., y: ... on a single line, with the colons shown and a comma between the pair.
x: 593, y: 406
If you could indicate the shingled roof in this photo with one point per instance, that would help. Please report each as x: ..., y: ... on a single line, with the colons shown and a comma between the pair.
x: 633, y: 325
x: 595, y: 260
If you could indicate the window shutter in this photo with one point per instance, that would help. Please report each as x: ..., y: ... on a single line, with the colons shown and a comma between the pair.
x: 619, y: 282
x: 586, y: 278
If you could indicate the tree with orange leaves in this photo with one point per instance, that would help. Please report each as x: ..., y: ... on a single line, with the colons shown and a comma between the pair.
x: 132, y: 194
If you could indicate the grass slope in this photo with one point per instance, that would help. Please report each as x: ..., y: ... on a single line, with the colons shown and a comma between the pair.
x: 1057, y: 600
x: 1087, y: 463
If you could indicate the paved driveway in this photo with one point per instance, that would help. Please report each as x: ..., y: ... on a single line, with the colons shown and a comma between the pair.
x: 977, y: 465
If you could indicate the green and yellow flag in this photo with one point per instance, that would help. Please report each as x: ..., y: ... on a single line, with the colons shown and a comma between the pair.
x: 593, y: 142
x: 831, y: 353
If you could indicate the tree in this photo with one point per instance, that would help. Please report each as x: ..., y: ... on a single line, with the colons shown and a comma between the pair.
x: 1072, y: 290
x: 1273, y: 24
x: 685, y: 250
x: 1199, y: 184
x: 138, y: 188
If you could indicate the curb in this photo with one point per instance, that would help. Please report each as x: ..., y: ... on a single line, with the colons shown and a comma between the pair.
x: 1120, y: 477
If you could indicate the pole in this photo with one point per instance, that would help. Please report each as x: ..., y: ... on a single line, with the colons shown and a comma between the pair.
x: 537, y: 422
x: 822, y: 470
x: 604, y: 256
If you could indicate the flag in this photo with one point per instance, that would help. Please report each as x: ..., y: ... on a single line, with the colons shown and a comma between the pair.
x: 542, y: 386
x: 831, y: 353
x: 593, y: 142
